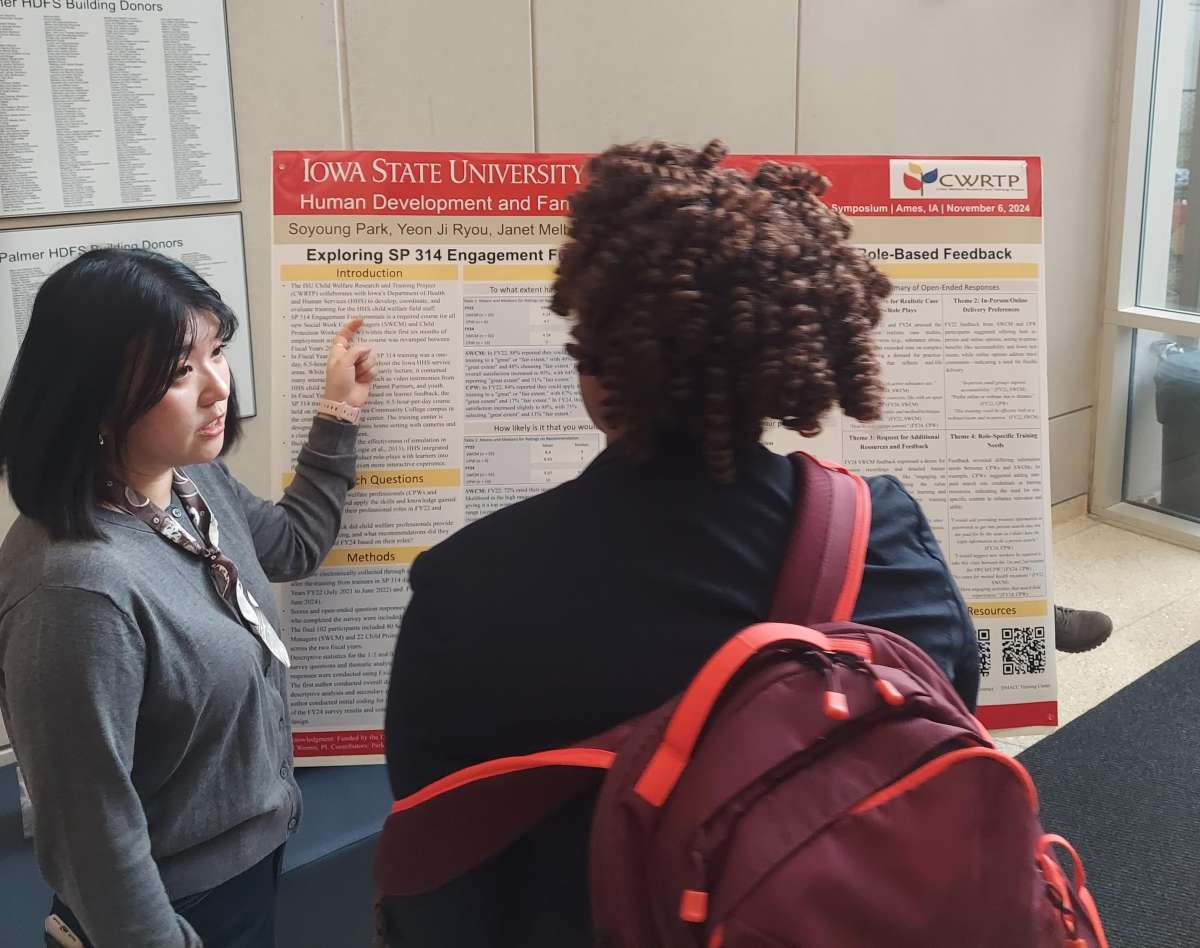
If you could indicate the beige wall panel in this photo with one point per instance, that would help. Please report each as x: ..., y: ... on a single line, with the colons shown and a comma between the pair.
x: 673, y: 69
x: 1070, y: 455
x: 983, y: 77
x: 453, y: 75
x: 287, y: 94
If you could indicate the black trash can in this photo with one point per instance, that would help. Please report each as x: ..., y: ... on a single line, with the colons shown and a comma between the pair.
x: 1177, y: 403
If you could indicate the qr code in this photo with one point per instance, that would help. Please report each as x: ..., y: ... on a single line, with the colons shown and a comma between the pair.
x: 984, y: 638
x: 1024, y: 650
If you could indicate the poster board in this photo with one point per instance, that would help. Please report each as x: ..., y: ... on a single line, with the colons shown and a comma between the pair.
x: 108, y: 104
x: 450, y: 257
x: 211, y: 244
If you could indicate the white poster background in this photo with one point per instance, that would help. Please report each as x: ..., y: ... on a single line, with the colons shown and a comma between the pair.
x: 477, y: 404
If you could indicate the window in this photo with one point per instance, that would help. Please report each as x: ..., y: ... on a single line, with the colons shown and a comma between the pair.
x: 1162, y: 453
x: 1147, y: 470
x: 1169, y: 270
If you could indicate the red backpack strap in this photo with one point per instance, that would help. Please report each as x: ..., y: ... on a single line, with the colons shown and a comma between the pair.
x: 823, y: 567
x: 691, y: 714
x: 454, y: 824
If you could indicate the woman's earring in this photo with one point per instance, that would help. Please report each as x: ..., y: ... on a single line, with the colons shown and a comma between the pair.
x: 100, y: 438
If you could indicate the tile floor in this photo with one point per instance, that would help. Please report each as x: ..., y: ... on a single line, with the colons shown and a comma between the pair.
x: 1151, y: 590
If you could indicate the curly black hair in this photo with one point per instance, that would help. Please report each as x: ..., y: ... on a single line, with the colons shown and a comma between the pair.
x: 706, y: 300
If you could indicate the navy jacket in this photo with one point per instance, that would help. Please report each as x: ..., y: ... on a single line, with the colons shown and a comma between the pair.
x: 570, y: 612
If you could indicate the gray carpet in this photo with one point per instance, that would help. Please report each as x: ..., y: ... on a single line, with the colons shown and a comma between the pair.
x: 1122, y: 782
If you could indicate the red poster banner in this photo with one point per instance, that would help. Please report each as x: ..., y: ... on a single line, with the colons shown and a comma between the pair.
x: 457, y: 184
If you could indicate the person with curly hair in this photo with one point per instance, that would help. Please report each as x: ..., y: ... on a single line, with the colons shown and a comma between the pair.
x: 705, y: 302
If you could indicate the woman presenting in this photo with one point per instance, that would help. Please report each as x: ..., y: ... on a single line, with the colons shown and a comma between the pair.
x: 142, y: 680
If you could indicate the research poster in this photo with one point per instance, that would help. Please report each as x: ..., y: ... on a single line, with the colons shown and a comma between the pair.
x: 114, y: 104
x: 450, y: 259
x: 211, y: 244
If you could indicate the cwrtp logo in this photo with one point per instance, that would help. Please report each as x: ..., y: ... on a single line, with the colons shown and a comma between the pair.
x: 1003, y: 179
x: 916, y: 177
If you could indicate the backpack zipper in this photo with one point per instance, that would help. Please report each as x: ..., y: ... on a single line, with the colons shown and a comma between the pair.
x: 694, y: 901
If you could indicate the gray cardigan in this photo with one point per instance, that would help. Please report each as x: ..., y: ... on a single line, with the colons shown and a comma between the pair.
x: 151, y: 725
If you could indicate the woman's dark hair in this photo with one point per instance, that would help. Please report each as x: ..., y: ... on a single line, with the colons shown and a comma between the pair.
x: 103, y: 343
x: 707, y: 300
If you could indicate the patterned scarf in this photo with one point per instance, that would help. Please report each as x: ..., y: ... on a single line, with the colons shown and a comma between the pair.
x: 221, y: 569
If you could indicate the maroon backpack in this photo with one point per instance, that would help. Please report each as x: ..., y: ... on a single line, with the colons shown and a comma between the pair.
x: 819, y: 784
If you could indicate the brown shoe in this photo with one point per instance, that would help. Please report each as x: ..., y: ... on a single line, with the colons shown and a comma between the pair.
x: 1078, y: 630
